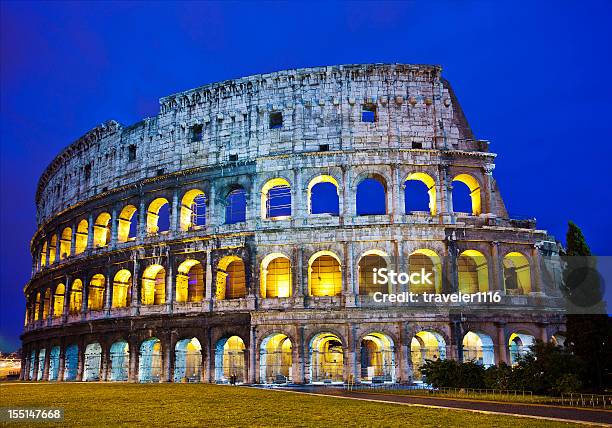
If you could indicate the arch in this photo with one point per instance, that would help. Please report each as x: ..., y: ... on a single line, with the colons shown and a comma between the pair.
x: 423, y: 262
x: 54, y: 359
x: 43, y: 254
x: 230, y: 354
x: 46, y: 304
x: 324, y: 274
x: 158, y: 218
x: 32, y: 362
x: 275, y: 276
x: 154, y: 285
x: 122, y: 289
x: 93, y: 360
x: 150, y: 361
x: 519, y: 344
x: 76, y: 297
x: 127, y: 228
x: 276, y: 359
x: 82, y: 234
x: 474, y: 192
x: 71, y: 362
x: 193, y: 209
x: 66, y: 243
x: 371, y: 196
x: 558, y: 339
x: 41, y: 363
x: 478, y: 348
x: 58, y: 300
x: 473, y: 272
x: 190, y: 281
x: 119, y: 361
x: 426, y: 345
x: 517, y: 274
x: 231, y: 278
x: 369, y: 263
x: 326, y: 358
x: 411, y: 200
x: 95, y: 292
x: 38, y: 304
x: 235, y: 206
x: 52, y: 248
x: 101, y: 230
x: 276, y: 199
x: 377, y: 358
x: 188, y: 360
x: 323, y: 197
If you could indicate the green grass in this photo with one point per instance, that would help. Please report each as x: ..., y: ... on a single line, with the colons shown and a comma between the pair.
x: 510, y: 398
x: 174, y: 405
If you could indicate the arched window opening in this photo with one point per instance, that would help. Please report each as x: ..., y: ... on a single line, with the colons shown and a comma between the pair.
x: 41, y: 363
x: 325, y: 274
x: 478, y: 348
x: 32, y: 362
x: 66, y: 243
x: 119, y: 361
x: 80, y: 242
x: 323, y: 196
x: 276, y: 360
x: 54, y: 359
x: 76, y: 297
x: 466, y: 200
x: 425, y: 267
x: 71, y: 362
x: 231, y: 278
x: 43, y: 255
x: 122, y: 289
x: 517, y: 275
x: 275, y: 276
x: 93, y: 360
x: 372, y: 197
x: 420, y: 193
x: 52, y: 247
x: 473, y: 272
x: 154, y: 285
x: 425, y: 345
x: 276, y: 199
x: 368, y: 266
x: 193, y: 210
x: 235, y: 208
x: 188, y: 361
x: 46, y: 304
x: 520, y: 345
x: 58, y: 300
x: 158, y: 216
x: 95, y: 292
x: 150, y: 361
x: 127, y: 223
x: 326, y: 359
x: 39, y: 305
x: 102, y: 230
x: 377, y: 358
x: 230, y: 355
x: 190, y: 282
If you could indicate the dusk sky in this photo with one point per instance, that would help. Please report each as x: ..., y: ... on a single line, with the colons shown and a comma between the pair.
x: 532, y: 78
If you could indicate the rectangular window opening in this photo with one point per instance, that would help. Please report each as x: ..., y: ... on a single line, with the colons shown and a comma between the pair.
x: 276, y: 120
x: 368, y: 113
x: 196, y: 133
x: 324, y: 147
x: 132, y: 152
x: 417, y: 145
x: 233, y: 158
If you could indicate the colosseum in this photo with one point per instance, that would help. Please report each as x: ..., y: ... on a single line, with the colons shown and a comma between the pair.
x: 233, y: 236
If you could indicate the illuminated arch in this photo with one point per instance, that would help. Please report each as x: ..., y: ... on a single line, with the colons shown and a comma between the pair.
x: 316, y: 189
x: 231, y: 278
x: 76, y: 297
x: 190, y: 281
x: 431, y: 190
x: 276, y: 199
x: 517, y: 274
x: 193, y: 210
x: 153, y: 215
x: 154, y: 285
x: 46, y: 304
x: 66, y: 243
x: 43, y: 254
x: 93, y: 360
x: 71, y: 362
x: 54, y: 360
x: 377, y: 358
x: 150, y: 361
x: 188, y: 360
x: 126, y: 230
x: 101, y: 230
x: 426, y: 345
x: 276, y: 359
x: 41, y: 363
x: 474, y: 187
x: 324, y: 274
x: 371, y: 196
x: 326, y: 358
x: 519, y: 345
x: 95, y: 292
x: 235, y: 206
x: 275, y: 275
x: 119, y: 361
x: 52, y: 247
x: 58, y: 300
x: 478, y: 347
x: 122, y: 289
x: 230, y: 360
x: 368, y: 262
x: 473, y: 272
x: 82, y: 233
x: 426, y: 260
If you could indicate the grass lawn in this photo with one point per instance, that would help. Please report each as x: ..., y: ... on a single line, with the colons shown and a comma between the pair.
x: 519, y: 398
x: 200, y: 405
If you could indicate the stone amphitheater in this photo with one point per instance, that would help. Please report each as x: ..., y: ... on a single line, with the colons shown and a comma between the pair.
x: 233, y: 236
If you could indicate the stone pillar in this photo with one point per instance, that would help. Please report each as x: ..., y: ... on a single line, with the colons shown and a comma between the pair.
x: 58, y: 242
x: 108, y: 292
x: 168, y: 362
x: 536, y: 276
x: 302, y: 374
x: 114, y: 224
x: 104, y: 363
x: 496, y: 283
x: 350, y: 361
x: 36, y: 359
x: 349, y: 287
x: 446, y: 195
x: 543, y: 332
x: 24, y: 363
x: 62, y: 363
x: 169, y: 282
x: 252, y: 375
x: 502, y: 346
x: 73, y: 240
x: 394, y: 192
x: 450, y: 281
x: 298, y: 194
x: 174, y: 213
x: 298, y: 272
x: 85, y: 293
x: 136, y: 283
x: 47, y: 253
x: 213, y: 218
x: 208, y: 296
x: 488, y: 206
x: 90, y: 229
x: 80, y: 362
x: 67, y: 293
x: 134, y: 354
x: 348, y: 208
x: 403, y: 370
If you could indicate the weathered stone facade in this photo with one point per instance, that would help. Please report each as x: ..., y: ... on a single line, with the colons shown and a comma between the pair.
x: 222, y: 137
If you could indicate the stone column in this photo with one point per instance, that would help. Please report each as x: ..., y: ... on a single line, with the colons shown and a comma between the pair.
x: 24, y: 364
x: 536, y: 276
x: 168, y: 362
x: 543, y: 331
x: 496, y: 283
x: 108, y: 292
x: 349, y: 288
x: 36, y: 359
x: 404, y: 373
x: 48, y: 252
x: 58, y: 242
x: 114, y: 228
x: 348, y: 207
x: 169, y: 282
x: 62, y: 363
x: 208, y: 297
x: 395, y: 191
x: 104, y: 363
x: 297, y: 198
x: 73, y: 240
x: 502, y: 347
x: 136, y: 283
x: 134, y: 354
x: 81, y: 362
x: 450, y: 281
x: 85, y: 294
x: 67, y: 293
x: 142, y: 219
x: 213, y: 218
x: 350, y: 366
x: 90, y: 229
x: 252, y: 375
x: 174, y: 213
x: 488, y: 202
x: 446, y: 195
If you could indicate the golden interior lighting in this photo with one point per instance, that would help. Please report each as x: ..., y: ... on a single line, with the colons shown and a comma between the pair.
x: 153, y: 215
x: 65, y: 243
x: 474, y: 187
x: 52, y: 247
x: 473, y: 272
x: 154, y: 285
x: 431, y: 188
x: 190, y: 282
x: 275, y: 276
x: 58, y: 300
x: 325, y: 274
x: 231, y: 278
x: 187, y: 209
x: 370, y: 261
x: 517, y: 274
x: 327, y: 358
x: 95, y: 292
x: 76, y: 296
x: 81, y: 237
x: 425, y: 345
x: 429, y: 261
x: 276, y: 359
x: 122, y: 289
x: 124, y: 223
x: 101, y: 230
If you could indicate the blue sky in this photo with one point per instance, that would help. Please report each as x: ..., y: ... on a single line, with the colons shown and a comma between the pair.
x: 532, y: 78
